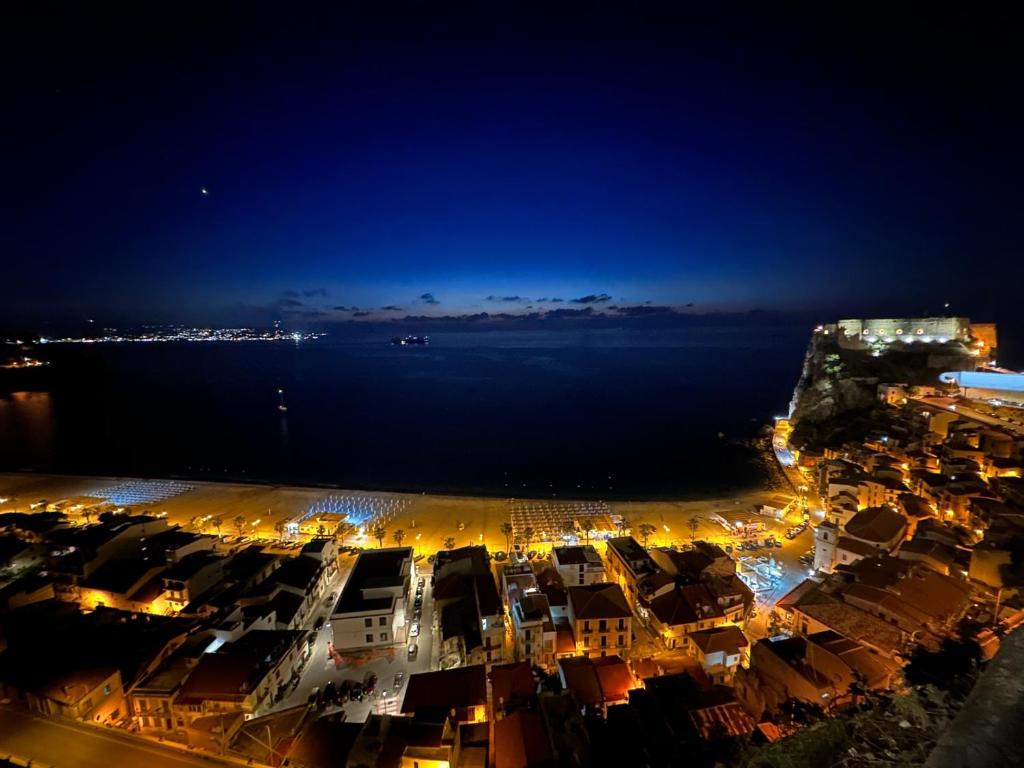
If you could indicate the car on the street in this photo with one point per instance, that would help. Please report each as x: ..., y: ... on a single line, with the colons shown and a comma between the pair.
x: 355, y: 693
x: 319, y: 623
x: 399, y: 679
x: 414, y: 629
x: 311, y: 699
x: 413, y: 650
x: 420, y: 582
x: 369, y: 683
x: 501, y: 555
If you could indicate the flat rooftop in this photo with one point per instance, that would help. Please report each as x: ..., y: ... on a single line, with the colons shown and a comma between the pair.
x: 374, y: 569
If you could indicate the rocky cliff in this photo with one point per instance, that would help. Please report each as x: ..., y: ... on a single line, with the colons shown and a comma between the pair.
x: 836, y: 399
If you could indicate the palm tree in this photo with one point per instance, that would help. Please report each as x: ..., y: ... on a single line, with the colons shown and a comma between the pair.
x: 506, y: 530
x: 239, y: 522
x: 645, y: 530
x: 280, y: 527
x: 623, y: 525
x: 569, y: 528
x: 379, y: 532
x: 449, y: 543
x: 217, y: 521
x: 398, y: 536
x: 693, y: 523
x: 343, y: 529
x: 528, y: 535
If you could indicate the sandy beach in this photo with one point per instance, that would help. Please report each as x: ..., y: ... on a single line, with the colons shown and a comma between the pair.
x: 426, y: 519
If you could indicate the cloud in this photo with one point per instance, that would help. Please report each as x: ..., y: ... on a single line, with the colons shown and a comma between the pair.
x: 288, y: 303
x: 311, y: 292
x: 592, y: 298
x: 361, y: 314
x: 562, y: 313
x: 391, y: 308
x: 506, y: 298
x: 643, y: 311
x: 428, y: 298
x: 553, y: 301
x: 343, y: 308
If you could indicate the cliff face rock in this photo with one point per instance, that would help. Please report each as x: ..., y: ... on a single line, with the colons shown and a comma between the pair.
x: 825, y: 388
x: 836, y: 396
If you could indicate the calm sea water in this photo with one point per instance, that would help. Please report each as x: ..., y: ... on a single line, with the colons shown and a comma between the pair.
x: 597, y: 413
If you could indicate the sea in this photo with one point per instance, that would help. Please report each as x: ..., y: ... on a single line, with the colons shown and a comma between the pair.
x: 597, y: 413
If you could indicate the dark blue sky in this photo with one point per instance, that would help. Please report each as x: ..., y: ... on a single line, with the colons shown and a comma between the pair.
x: 427, y: 157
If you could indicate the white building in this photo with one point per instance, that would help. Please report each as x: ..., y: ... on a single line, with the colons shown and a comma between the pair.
x: 371, y: 610
x: 578, y: 565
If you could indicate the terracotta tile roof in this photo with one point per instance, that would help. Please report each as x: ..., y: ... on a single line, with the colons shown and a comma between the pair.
x: 447, y: 689
x: 729, y: 639
x: 599, y: 601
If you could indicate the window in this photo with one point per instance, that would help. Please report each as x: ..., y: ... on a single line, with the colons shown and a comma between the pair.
x: 383, y: 621
x: 369, y: 638
x: 621, y: 639
x: 383, y: 636
x: 604, y: 641
x: 586, y: 626
x: 622, y: 623
x: 602, y: 625
x: 367, y: 623
x: 586, y: 642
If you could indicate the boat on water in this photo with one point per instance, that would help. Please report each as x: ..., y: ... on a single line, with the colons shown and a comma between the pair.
x: 280, y: 397
x: 410, y: 341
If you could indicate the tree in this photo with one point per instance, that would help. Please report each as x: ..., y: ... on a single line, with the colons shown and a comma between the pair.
x: 569, y: 528
x: 646, y: 530
x: 624, y: 524
x: 320, y: 531
x: 528, y: 535
x: 217, y: 521
x: 398, y: 536
x: 379, y: 532
x: 693, y: 524
x: 87, y: 513
x: 449, y: 543
x: 239, y: 522
x: 506, y: 530
x: 343, y: 529
x: 280, y: 527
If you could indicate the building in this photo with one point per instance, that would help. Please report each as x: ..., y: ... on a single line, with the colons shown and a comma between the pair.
x: 460, y: 693
x: 596, y: 683
x: 578, y: 565
x: 628, y: 563
x: 191, y: 577
x: 720, y: 651
x: 370, y: 612
x: 133, y: 584
x: 241, y: 676
x: 469, y: 607
x: 601, y: 620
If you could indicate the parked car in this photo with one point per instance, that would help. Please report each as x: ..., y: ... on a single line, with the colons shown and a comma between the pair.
x: 311, y: 699
x: 413, y: 650
x: 399, y: 679
x: 319, y: 623
x: 414, y: 629
x: 420, y: 582
x: 356, y: 691
x: 369, y: 683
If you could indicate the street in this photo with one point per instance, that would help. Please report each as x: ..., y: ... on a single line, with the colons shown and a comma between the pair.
x: 320, y: 669
x: 67, y: 745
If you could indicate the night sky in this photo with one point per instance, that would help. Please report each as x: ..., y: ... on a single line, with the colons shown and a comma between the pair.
x: 435, y: 160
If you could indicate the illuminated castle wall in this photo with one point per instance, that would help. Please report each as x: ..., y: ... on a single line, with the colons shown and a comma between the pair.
x: 867, y: 333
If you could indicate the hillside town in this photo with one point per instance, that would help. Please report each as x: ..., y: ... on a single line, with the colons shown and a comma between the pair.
x: 337, y: 643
